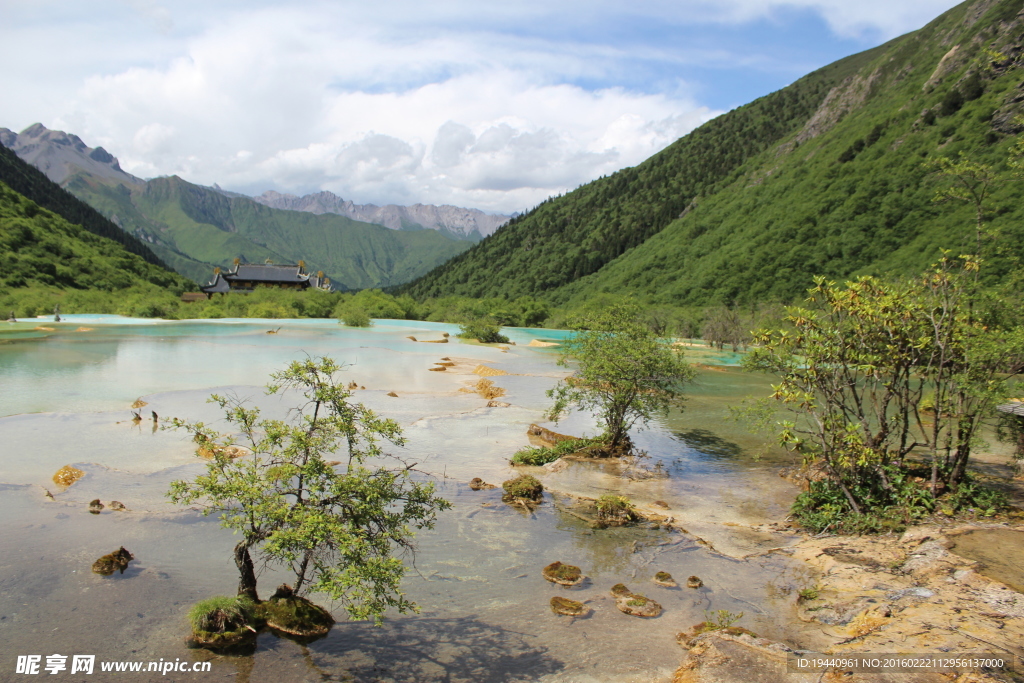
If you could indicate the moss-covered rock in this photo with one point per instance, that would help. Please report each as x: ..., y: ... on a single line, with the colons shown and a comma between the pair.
x: 563, y: 574
x: 665, y: 580
x: 694, y: 582
x: 478, y: 484
x: 615, y: 510
x: 620, y: 589
x: 295, y: 615
x: 570, y: 608
x: 637, y: 605
x: 224, y: 623
x: 523, y: 489
x: 115, y: 561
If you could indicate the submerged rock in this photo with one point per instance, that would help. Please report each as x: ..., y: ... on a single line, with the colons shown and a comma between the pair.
x: 694, y: 582
x: 563, y: 574
x: 570, y: 608
x: 665, y: 579
x: 637, y: 605
x: 115, y: 561
x: 67, y: 475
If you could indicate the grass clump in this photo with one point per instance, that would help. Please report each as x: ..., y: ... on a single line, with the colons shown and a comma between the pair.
x: 524, y: 487
x: 222, y: 616
x: 613, y: 509
x: 541, y: 456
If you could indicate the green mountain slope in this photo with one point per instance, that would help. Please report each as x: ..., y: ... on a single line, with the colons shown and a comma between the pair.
x: 40, y: 248
x: 32, y: 183
x: 823, y: 177
x: 206, y: 227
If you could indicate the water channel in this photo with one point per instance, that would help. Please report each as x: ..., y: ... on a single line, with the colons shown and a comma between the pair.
x: 65, y: 392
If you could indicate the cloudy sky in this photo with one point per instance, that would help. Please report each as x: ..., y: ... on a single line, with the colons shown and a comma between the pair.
x: 492, y: 105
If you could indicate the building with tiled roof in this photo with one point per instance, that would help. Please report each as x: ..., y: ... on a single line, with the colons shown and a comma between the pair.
x: 245, y: 277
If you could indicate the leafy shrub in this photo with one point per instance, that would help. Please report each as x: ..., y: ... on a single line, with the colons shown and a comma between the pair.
x: 355, y: 317
x: 483, y: 330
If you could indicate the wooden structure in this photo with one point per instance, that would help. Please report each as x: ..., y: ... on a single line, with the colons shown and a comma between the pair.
x: 245, y: 277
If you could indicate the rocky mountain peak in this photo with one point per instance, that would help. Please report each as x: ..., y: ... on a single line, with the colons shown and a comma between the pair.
x: 60, y: 155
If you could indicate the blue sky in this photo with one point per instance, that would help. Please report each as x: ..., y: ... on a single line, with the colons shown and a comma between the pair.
x: 492, y: 106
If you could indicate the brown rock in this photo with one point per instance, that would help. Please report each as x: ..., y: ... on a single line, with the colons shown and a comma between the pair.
x: 694, y: 582
x: 438, y: 369
x: 117, y: 560
x: 116, y: 505
x: 392, y: 394
x: 498, y: 404
x: 478, y: 484
x: 719, y: 657
x: 665, y: 580
x: 95, y: 506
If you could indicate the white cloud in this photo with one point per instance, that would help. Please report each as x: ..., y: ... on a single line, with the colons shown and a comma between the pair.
x: 492, y: 105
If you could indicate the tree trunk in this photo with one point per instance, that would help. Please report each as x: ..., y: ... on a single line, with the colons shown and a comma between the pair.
x: 247, y: 575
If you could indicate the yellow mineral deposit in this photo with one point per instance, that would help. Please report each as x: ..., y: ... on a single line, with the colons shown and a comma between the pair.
x: 486, y: 388
x: 488, y: 371
x: 67, y: 475
x: 139, y: 403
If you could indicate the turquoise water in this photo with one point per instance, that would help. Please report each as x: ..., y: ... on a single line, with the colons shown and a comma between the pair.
x: 65, y: 398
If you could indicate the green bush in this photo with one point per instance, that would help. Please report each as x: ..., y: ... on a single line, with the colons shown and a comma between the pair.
x: 483, y: 330
x: 355, y: 317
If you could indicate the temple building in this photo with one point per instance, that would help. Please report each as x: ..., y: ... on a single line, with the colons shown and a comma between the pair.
x: 245, y: 277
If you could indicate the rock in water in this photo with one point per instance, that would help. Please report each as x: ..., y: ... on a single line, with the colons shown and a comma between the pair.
x: 665, y: 580
x: 478, y: 484
x: 570, y: 608
x: 117, y: 560
x: 563, y: 574
x: 620, y: 589
x: 116, y: 505
x: 67, y: 475
x: 392, y: 394
x: 296, y: 616
x: 694, y: 582
x: 637, y: 605
x: 95, y: 506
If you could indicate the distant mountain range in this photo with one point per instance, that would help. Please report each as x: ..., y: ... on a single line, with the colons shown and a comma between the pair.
x: 470, y: 224
x: 827, y: 176
x: 193, y: 228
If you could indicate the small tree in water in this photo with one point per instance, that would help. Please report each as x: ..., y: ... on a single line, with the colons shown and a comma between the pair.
x: 336, y: 526
x: 625, y: 374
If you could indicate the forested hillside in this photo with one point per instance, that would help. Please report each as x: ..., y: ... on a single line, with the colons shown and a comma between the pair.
x: 827, y: 176
x: 39, y: 248
x: 208, y: 227
x: 32, y: 183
